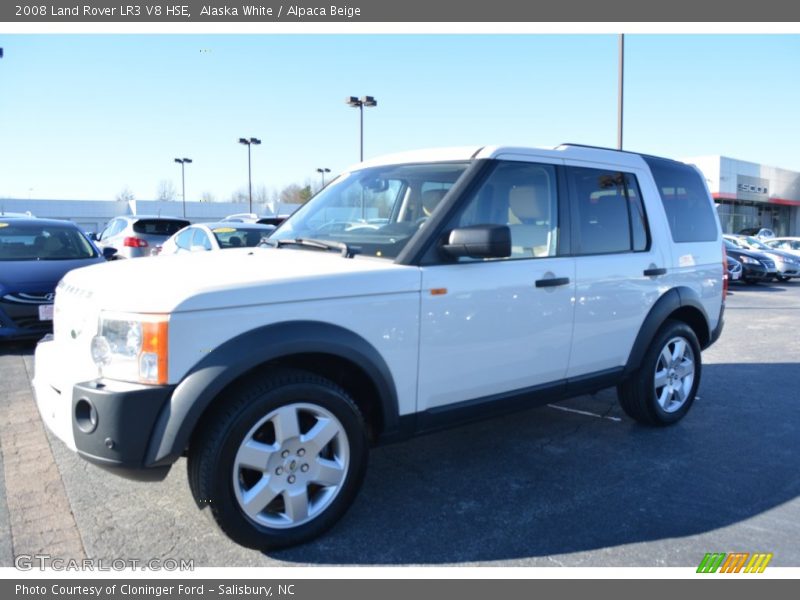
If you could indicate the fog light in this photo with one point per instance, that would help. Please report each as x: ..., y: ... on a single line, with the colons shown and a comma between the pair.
x: 85, y: 416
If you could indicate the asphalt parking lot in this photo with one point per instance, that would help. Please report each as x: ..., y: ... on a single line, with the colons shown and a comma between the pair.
x: 576, y: 484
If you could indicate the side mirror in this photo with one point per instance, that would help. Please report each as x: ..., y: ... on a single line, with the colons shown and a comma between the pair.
x: 479, y: 241
x: 109, y: 253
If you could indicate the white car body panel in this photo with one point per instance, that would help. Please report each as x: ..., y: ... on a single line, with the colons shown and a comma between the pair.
x: 479, y: 340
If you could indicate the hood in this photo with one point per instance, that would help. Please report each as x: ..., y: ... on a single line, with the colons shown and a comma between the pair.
x: 38, y: 275
x: 742, y: 252
x: 780, y: 254
x: 234, y: 278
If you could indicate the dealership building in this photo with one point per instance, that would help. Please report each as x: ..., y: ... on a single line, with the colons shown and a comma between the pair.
x: 752, y: 195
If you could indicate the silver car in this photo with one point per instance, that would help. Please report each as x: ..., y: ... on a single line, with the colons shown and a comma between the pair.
x: 785, y: 244
x: 787, y: 265
x: 136, y: 236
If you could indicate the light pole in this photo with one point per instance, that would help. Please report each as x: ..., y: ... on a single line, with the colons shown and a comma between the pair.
x: 183, y: 162
x: 360, y: 104
x: 621, y: 82
x: 322, y: 171
x: 250, y: 142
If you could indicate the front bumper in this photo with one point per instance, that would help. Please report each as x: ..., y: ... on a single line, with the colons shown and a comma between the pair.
x: 22, y: 322
x: 755, y: 272
x: 108, y: 423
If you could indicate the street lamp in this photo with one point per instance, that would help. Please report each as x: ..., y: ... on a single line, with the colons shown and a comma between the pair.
x: 360, y: 104
x: 184, y: 162
x: 250, y: 142
x: 322, y: 171
x: 620, y: 85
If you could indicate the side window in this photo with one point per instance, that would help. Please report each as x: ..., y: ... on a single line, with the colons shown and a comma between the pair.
x: 522, y: 196
x: 112, y: 229
x: 201, y: 239
x: 184, y: 239
x: 609, y: 214
x: 686, y: 202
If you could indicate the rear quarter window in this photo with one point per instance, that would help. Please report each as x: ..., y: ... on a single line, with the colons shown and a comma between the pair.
x: 687, y: 205
x: 159, y: 226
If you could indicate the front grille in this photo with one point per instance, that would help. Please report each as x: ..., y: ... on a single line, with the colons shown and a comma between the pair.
x: 768, y: 263
x: 29, y: 298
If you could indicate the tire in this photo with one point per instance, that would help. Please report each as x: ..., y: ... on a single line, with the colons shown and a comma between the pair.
x: 782, y: 278
x: 280, y: 461
x: 663, y: 388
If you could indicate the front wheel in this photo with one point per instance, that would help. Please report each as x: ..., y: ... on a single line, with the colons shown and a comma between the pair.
x: 281, y: 460
x: 663, y: 389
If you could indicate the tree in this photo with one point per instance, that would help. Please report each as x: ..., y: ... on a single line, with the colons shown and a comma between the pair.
x: 207, y: 197
x: 240, y: 195
x: 126, y: 195
x: 166, y: 190
x: 294, y: 194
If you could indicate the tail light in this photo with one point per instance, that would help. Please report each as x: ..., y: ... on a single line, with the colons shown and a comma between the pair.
x: 724, y: 273
x: 133, y: 242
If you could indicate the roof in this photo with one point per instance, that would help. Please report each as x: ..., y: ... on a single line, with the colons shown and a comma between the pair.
x: 237, y: 225
x: 36, y: 221
x: 465, y: 153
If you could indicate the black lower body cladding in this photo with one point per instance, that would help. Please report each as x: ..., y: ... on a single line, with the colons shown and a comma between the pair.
x: 112, y: 423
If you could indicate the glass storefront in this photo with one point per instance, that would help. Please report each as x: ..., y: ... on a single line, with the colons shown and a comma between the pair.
x: 737, y: 215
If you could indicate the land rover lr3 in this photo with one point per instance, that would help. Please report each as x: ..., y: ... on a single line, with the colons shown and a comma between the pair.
x: 414, y: 291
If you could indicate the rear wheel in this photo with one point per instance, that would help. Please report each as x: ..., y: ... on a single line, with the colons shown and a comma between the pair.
x: 663, y: 389
x: 281, y: 460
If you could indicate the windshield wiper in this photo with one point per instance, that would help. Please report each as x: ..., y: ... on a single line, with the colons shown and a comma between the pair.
x: 345, y: 250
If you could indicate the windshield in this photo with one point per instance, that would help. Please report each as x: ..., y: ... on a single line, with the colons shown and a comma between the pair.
x: 375, y: 211
x: 754, y: 243
x: 34, y: 241
x: 235, y: 236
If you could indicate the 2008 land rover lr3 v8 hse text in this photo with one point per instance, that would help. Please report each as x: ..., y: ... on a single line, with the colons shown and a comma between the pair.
x: 414, y: 291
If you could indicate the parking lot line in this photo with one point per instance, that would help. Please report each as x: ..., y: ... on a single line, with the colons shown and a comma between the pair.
x: 585, y: 412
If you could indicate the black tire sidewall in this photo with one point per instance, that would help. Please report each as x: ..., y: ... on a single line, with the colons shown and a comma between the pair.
x: 224, y: 504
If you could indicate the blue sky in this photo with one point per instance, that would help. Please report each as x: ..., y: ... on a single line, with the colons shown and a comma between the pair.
x: 85, y: 116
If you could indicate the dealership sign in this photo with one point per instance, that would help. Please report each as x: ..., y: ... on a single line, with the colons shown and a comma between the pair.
x: 752, y: 188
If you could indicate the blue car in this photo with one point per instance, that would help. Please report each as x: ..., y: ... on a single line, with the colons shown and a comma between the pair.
x: 34, y: 255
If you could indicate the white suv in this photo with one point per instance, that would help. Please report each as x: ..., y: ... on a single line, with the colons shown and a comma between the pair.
x: 413, y: 292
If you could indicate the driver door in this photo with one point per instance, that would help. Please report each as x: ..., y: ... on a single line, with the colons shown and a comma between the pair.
x: 495, y: 328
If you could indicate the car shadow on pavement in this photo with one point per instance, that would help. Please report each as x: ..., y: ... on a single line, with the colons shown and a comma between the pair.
x: 547, y: 482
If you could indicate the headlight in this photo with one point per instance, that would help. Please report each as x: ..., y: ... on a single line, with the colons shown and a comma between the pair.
x: 748, y: 260
x: 132, y: 347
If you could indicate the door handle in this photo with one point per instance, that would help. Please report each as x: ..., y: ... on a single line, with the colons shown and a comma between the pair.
x: 552, y: 282
x: 655, y: 272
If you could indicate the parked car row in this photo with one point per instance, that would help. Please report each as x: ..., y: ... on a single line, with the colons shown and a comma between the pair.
x: 36, y: 253
x: 771, y: 259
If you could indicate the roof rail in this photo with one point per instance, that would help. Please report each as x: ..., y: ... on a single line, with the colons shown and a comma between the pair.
x: 642, y: 154
x: 571, y: 145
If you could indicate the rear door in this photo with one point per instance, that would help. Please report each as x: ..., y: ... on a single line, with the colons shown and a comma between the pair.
x: 618, y: 267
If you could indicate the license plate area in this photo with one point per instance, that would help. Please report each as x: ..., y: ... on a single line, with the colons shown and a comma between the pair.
x: 45, y: 312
